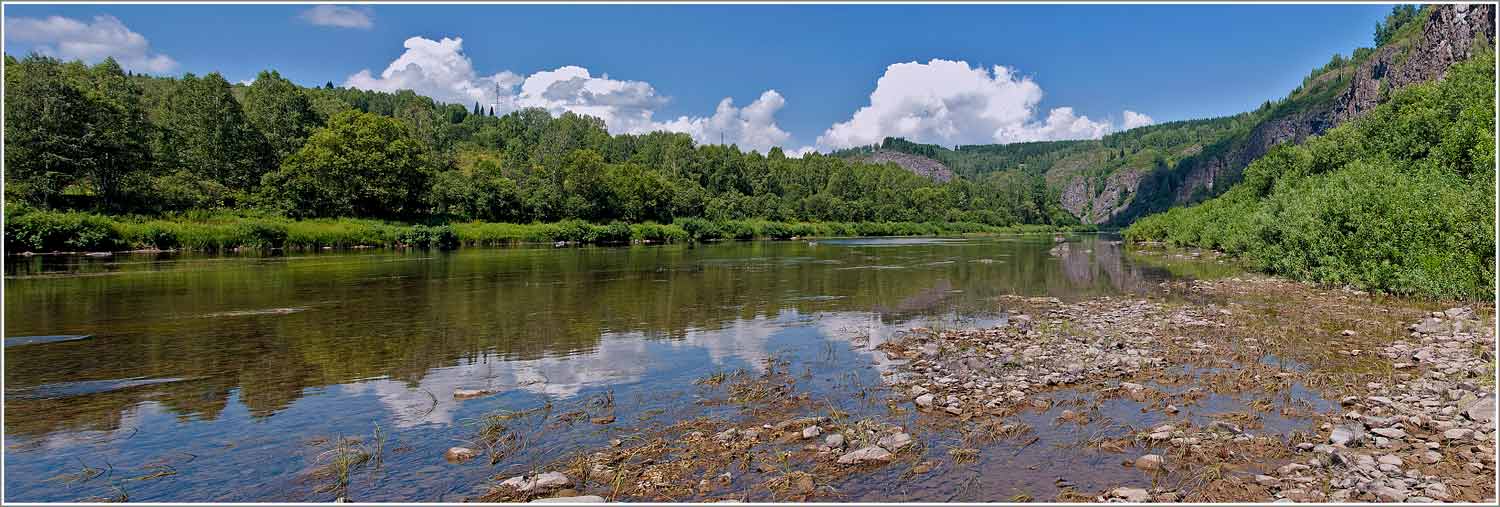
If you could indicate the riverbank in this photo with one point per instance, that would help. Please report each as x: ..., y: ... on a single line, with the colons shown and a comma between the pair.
x: 1243, y: 389
x: 33, y: 231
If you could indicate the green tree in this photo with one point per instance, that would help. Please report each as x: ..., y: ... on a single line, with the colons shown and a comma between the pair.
x: 46, y: 126
x: 206, y: 134
x: 280, y: 111
x: 360, y: 165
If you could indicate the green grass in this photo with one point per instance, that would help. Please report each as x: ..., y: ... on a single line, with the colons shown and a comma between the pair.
x: 28, y: 230
x: 1398, y: 201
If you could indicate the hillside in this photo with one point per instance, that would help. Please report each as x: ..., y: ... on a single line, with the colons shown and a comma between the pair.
x: 917, y: 164
x: 1127, y: 175
x: 1399, y: 199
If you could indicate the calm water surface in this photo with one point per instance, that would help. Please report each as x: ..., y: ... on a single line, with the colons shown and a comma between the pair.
x: 232, y: 371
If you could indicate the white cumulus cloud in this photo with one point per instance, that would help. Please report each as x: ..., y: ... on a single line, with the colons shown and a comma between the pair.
x: 91, y: 41
x: 752, y: 127
x: 949, y: 102
x: 441, y: 70
x: 437, y: 69
x: 1134, y: 119
x: 340, y: 16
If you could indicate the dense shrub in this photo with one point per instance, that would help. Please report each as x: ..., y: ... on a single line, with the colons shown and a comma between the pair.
x: 51, y: 231
x: 1399, y: 200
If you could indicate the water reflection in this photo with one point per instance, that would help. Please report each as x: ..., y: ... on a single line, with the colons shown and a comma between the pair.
x: 256, y: 334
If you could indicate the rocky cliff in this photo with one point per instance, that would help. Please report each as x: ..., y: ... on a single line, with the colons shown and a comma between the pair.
x: 1447, y: 37
x: 918, y: 164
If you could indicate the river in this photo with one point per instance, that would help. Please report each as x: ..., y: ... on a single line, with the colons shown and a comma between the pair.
x: 184, y: 377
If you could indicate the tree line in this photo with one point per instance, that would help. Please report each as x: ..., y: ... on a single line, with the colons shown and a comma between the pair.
x: 100, y: 139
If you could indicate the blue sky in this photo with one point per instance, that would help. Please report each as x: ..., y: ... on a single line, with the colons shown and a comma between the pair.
x: 1167, y: 62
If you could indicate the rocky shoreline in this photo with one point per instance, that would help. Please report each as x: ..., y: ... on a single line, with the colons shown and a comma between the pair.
x: 1237, y: 390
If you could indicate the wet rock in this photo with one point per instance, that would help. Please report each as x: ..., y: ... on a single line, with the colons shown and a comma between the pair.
x: 1149, y: 462
x: 460, y: 454
x: 541, y: 482
x: 465, y: 394
x: 895, y: 441
x: 924, y: 401
x: 1226, y: 427
x: 571, y: 499
x: 865, y: 455
x: 1131, y: 495
x: 603, y: 419
x: 550, y: 480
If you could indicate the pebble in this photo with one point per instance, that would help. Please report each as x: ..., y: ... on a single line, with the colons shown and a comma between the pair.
x: 811, y: 432
x: 1132, y: 495
x: 895, y: 441
x: 865, y: 455
x: 1149, y: 462
x: 924, y: 401
x: 571, y: 499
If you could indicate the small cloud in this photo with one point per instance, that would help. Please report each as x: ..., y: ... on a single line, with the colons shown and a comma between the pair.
x: 340, y: 16
x: 91, y: 41
x: 1134, y: 119
x: 800, y: 152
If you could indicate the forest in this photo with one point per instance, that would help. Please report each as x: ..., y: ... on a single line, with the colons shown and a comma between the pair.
x: 100, y: 158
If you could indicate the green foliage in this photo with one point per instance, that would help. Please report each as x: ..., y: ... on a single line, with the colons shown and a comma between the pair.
x: 203, y: 130
x: 1401, y: 16
x: 360, y: 165
x: 1399, y: 200
x: 421, y: 236
x: 51, y: 231
x: 280, y: 111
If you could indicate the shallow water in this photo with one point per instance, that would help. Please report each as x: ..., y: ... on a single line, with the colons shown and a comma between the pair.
x: 235, y: 371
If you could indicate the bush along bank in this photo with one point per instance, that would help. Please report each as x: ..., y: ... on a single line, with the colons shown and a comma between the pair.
x: 40, y: 231
x: 1400, y: 200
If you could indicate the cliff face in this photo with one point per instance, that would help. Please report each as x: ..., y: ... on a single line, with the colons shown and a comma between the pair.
x: 918, y: 164
x: 1446, y: 38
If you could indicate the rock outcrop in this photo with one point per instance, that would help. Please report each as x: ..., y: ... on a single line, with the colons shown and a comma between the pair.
x: 920, y: 165
x: 1447, y: 38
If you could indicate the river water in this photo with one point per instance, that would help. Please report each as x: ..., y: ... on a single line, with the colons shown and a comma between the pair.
x: 175, y: 377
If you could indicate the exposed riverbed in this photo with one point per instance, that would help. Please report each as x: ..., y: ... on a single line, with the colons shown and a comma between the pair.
x: 749, y: 371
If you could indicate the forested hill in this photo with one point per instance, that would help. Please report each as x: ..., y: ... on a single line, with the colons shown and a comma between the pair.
x: 1130, y: 174
x: 97, y: 139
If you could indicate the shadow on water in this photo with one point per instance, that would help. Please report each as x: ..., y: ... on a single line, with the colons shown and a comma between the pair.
x: 241, y: 360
